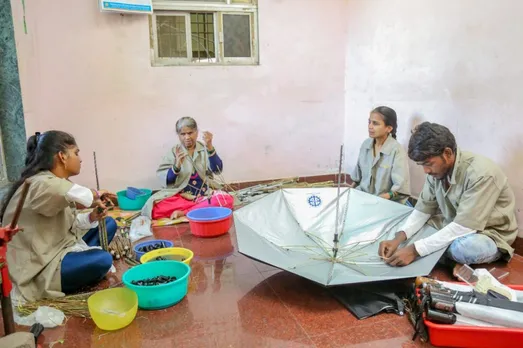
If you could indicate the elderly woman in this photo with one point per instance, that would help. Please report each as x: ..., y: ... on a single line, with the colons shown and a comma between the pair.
x: 187, y: 175
x: 59, y: 250
x: 382, y: 167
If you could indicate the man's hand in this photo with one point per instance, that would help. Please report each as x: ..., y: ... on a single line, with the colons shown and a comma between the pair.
x: 388, y: 247
x: 403, y: 256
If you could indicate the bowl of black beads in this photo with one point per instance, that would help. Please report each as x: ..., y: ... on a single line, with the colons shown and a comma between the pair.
x: 158, y: 284
x: 156, y: 244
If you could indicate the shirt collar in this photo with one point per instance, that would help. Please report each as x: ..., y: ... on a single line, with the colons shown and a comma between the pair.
x: 455, y: 169
x: 387, y: 146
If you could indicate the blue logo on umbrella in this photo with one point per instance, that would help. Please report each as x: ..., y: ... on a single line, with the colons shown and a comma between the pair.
x: 314, y: 201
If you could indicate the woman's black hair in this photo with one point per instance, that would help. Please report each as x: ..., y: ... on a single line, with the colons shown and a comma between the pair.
x: 389, y: 117
x: 41, y: 151
x: 430, y: 140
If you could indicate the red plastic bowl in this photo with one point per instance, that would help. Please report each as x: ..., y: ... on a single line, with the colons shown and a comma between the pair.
x: 210, y: 222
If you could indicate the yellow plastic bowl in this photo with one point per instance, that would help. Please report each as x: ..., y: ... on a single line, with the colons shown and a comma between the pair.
x: 113, y: 309
x: 175, y: 254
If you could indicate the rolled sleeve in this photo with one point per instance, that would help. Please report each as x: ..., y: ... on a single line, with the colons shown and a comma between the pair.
x: 81, y: 195
x: 84, y: 223
x: 427, y: 202
x: 477, y: 203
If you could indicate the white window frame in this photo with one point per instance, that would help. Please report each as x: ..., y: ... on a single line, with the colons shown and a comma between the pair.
x: 254, y: 49
x: 177, y: 8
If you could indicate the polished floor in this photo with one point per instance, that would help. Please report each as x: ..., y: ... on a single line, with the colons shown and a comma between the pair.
x: 236, y: 302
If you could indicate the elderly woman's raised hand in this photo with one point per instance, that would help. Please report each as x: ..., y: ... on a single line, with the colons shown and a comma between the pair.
x: 207, y: 139
x: 180, y: 156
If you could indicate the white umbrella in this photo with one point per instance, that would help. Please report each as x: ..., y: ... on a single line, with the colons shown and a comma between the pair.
x: 295, y: 229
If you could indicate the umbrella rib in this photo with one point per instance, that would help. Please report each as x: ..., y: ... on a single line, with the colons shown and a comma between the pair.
x: 353, y: 268
x: 319, y: 240
x: 387, y: 227
x: 344, y: 214
x: 304, y: 247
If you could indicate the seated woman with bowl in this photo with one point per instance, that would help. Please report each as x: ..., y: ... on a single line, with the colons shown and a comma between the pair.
x: 187, y: 173
x: 59, y: 249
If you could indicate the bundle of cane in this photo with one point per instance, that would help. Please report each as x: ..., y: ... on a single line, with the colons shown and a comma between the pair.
x: 115, y: 249
x: 121, y: 245
x: 102, y: 232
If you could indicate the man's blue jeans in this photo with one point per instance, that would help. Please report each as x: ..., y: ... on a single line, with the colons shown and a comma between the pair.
x: 473, y: 249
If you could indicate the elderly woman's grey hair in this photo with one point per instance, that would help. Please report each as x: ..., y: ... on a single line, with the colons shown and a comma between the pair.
x: 186, y: 122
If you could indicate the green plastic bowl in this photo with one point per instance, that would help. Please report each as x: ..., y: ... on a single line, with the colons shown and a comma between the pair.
x: 159, y: 296
x: 133, y: 204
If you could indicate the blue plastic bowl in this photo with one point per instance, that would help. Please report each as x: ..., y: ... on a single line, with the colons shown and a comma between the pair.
x: 209, y: 214
x: 159, y: 296
x: 133, y: 204
x: 133, y: 192
x: 139, y: 254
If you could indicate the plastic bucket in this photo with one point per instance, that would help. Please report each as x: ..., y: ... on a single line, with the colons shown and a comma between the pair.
x: 163, y: 295
x: 210, y: 222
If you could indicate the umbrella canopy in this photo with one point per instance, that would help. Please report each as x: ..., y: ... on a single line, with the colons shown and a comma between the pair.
x: 294, y: 229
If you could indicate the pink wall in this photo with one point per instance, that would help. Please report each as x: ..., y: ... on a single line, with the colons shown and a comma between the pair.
x: 458, y: 63
x: 89, y: 73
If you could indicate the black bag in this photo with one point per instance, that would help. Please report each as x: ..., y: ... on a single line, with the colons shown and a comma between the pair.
x: 365, y: 300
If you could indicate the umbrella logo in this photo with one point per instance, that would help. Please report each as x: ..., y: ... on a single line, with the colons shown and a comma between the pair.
x: 314, y: 201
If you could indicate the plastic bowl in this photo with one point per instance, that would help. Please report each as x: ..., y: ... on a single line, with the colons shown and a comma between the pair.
x: 159, y: 296
x: 133, y: 192
x: 139, y: 254
x: 113, y: 309
x: 133, y: 204
x: 176, y: 254
x: 210, y: 222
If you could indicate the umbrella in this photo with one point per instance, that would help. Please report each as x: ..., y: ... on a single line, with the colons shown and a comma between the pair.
x: 328, y: 235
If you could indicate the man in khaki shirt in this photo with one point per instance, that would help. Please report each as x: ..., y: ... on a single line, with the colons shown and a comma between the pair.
x: 473, y: 196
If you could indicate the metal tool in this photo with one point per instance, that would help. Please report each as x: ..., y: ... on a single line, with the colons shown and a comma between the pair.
x: 337, y: 231
x: 102, y: 228
x: 6, y: 235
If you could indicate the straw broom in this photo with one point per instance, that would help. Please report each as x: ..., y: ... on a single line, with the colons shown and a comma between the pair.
x: 72, y: 305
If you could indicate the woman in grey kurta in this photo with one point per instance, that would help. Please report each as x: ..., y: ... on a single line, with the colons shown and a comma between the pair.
x: 382, y: 167
x: 59, y: 250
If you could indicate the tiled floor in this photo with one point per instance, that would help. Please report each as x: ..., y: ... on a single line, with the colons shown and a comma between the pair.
x: 236, y: 302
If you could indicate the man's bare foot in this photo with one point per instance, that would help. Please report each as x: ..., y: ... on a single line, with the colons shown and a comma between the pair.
x: 456, y: 270
x: 177, y: 214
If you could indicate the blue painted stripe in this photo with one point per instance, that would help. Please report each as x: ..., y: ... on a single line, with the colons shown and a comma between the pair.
x: 129, y: 7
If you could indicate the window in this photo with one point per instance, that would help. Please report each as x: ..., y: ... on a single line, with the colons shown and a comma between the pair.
x: 204, y: 32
